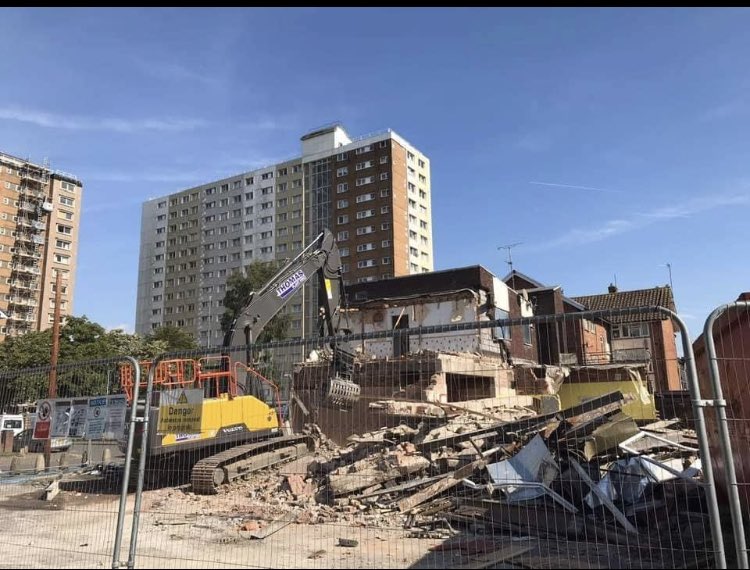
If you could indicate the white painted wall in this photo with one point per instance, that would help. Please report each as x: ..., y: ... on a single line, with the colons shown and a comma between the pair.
x: 428, y: 313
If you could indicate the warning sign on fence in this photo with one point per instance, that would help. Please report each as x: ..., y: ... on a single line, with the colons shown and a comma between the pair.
x: 180, y: 411
x: 43, y: 424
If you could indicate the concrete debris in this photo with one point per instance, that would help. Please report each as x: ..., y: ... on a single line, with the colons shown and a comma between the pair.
x: 586, y: 473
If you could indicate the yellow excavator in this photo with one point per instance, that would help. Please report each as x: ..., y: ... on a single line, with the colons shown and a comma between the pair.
x: 241, y: 431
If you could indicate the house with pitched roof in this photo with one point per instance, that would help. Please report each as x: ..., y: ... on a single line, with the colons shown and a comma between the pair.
x: 642, y: 337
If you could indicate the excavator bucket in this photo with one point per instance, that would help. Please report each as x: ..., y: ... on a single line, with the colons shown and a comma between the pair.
x: 341, y: 393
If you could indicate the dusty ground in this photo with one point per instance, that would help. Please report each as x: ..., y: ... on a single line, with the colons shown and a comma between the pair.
x: 77, y: 530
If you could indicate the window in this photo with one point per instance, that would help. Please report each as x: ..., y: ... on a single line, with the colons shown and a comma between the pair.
x: 384, y: 176
x: 342, y: 187
x: 412, y: 234
x: 364, y: 230
x: 281, y: 217
x: 281, y: 202
x: 365, y: 247
x: 297, y: 183
x: 527, y: 333
x: 266, y: 191
x: 65, y: 215
x: 502, y: 331
x: 342, y: 219
x: 64, y: 229
x: 423, y: 224
x: 248, y: 253
x: 282, y: 172
x: 250, y: 180
x: 296, y: 168
x: 162, y: 204
x: 248, y: 210
x: 62, y: 244
x: 383, y: 144
x: 266, y: 235
x: 384, y: 159
x: 414, y: 267
x: 297, y: 199
x: 267, y: 249
x: 266, y: 220
x: 281, y: 248
x: 266, y: 176
x: 248, y: 195
x: 384, y: 209
x: 366, y: 263
x: 384, y: 192
x: 342, y: 204
x: 296, y: 214
x: 385, y: 226
x: 422, y: 179
x: 266, y: 205
x: 344, y: 251
x: 342, y: 236
x: 160, y: 230
x: 341, y: 156
x: 363, y: 165
x: 282, y: 231
x: 635, y: 330
x: 65, y: 201
x: 342, y: 171
x: 414, y: 251
x: 422, y: 194
x: 248, y: 239
x: 365, y: 197
x: 363, y: 149
x: 209, y: 191
x: 385, y: 243
x: 365, y: 180
x: 386, y: 261
x: 344, y: 268
x: 362, y: 214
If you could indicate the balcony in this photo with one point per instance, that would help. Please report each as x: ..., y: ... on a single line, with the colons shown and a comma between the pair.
x: 27, y: 284
x: 22, y: 317
x: 621, y: 356
x: 21, y: 268
x: 22, y: 301
x: 33, y: 192
x: 26, y: 207
x: 33, y: 174
x: 28, y: 253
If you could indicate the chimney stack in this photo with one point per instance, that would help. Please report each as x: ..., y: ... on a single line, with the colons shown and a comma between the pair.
x: 612, y: 288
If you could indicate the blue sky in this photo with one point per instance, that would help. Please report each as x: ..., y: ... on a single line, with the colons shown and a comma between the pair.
x: 606, y: 141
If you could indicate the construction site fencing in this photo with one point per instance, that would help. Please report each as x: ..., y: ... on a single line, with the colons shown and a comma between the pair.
x: 525, y: 442
x: 724, y: 372
x: 60, y: 497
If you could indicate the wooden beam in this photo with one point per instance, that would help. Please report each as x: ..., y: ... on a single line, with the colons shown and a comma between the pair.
x: 450, y: 480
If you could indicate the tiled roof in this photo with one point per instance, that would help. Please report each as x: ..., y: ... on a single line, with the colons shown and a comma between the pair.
x: 656, y: 297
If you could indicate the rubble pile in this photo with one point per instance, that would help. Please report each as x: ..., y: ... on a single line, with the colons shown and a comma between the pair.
x: 586, y: 477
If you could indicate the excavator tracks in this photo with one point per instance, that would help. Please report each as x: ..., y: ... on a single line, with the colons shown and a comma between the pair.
x: 211, y: 472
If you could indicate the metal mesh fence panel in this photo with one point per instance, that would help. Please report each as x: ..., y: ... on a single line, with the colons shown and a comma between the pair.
x: 531, y: 443
x: 60, y: 504
x: 723, y: 356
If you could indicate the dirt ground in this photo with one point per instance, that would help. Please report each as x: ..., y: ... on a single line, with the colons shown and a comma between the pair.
x: 77, y: 530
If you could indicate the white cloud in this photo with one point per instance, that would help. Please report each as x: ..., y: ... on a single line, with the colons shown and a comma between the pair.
x: 82, y: 123
x: 610, y: 228
x: 576, y: 187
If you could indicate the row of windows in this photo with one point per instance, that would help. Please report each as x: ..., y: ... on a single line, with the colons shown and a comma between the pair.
x: 362, y: 230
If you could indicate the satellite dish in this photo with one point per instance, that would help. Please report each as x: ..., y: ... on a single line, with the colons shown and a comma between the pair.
x: 527, y: 309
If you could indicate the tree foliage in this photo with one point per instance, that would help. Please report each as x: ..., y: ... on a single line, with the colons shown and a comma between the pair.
x: 81, y: 340
x: 239, y: 292
x: 174, y: 338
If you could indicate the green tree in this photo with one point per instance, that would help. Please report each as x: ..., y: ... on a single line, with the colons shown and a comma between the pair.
x: 81, y: 340
x: 174, y: 337
x: 239, y: 291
